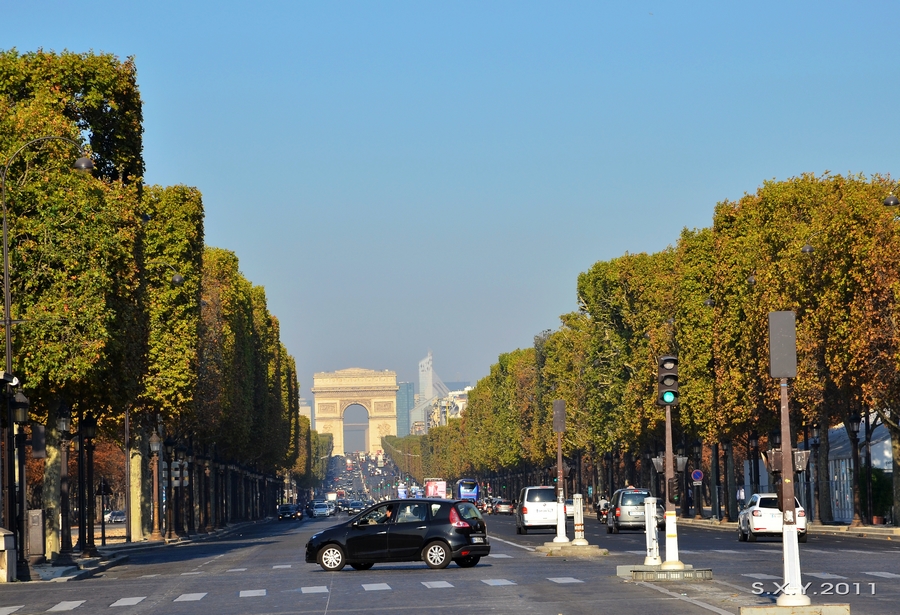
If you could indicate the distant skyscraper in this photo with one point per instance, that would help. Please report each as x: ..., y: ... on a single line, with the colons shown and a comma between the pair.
x: 426, y: 378
x: 406, y: 400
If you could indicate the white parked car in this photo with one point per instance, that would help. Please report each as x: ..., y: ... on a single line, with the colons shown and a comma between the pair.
x: 760, y: 517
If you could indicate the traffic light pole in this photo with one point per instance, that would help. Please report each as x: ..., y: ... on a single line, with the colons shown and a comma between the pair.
x: 672, y: 562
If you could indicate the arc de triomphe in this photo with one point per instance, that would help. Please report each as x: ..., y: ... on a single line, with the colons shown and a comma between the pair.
x: 373, y: 390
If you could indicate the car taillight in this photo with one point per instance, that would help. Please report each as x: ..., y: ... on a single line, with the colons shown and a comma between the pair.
x: 455, y: 520
x: 524, y: 510
x: 618, y: 511
x: 757, y: 513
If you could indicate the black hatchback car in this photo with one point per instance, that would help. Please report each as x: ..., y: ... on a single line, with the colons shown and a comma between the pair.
x: 431, y: 530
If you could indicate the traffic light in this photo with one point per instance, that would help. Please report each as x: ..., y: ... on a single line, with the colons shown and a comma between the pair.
x: 668, y: 381
x: 673, y: 490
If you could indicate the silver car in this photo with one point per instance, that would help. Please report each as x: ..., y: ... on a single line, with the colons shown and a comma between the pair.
x: 626, y: 510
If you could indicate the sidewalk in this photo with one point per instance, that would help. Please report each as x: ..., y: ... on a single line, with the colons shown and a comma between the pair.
x: 881, y: 532
x: 117, y: 551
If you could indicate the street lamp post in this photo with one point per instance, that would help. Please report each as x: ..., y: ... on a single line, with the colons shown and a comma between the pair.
x: 170, y: 515
x: 814, y: 434
x: 155, y: 445
x: 89, y: 549
x: 698, y: 489
x: 853, y: 423
x: 81, y: 164
x: 63, y: 423
x: 753, y: 441
x: 178, y: 500
x: 19, y: 407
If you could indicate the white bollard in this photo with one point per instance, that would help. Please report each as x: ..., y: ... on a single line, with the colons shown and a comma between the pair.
x: 652, y: 558
x: 672, y: 562
x: 578, y: 502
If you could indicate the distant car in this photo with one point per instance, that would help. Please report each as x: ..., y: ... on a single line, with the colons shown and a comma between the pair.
x: 626, y: 510
x: 356, y: 507
x: 435, y: 531
x: 321, y: 509
x: 115, y: 516
x: 761, y: 517
x: 503, y: 507
x: 570, y: 508
x: 288, y: 511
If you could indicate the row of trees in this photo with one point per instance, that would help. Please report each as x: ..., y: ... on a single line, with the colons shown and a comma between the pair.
x: 825, y: 247
x: 120, y: 306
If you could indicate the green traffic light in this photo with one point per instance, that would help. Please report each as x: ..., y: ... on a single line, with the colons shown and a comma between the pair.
x: 668, y: 397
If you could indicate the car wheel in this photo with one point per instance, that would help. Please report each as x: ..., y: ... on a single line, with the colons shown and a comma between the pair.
x: 801, y: 537
x: 468, y: 561
x: 742, y: 537
x: 436, y: 555
x: 518, y: 529
x: 615, y: 528
x: 365, y: 566
x: 331, y: 558
x: 751, y: 537
x: 524, y: 530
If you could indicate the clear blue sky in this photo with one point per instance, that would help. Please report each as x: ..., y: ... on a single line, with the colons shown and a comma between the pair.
x: 409, y: 176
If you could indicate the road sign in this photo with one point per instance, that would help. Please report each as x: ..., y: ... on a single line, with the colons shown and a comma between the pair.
x: 697, y: 476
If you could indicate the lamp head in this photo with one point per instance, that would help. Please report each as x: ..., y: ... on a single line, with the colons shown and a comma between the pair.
x: 84, y: 165
x: 891, y: 200
x: 155, y: 443
x: 89, y: 426
x: 807, y: 249
x: 853, y: 423
x: 19, y: 405
x: 64, y: 416
x: 814, y: 430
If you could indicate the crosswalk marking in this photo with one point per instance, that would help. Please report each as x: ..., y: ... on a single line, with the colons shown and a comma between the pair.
x: 315, y: 589
x: 436, y: 584
x: 252, y: 593
x: 128, y: 601
x: 9, y: 610
x: 67, y: 605
x: 496, y: 582
x: 564, y: 580
x: 500, y: 555
x: 823, y: 575
x: 761, y: 576
x: 148, y: 576
x: 375, y: 587
x: 728, y: 551
x: 236, y: 570
x: 883, y: 575
x: 187, y: 574
x: 281, y: 566
x: 189, y: 597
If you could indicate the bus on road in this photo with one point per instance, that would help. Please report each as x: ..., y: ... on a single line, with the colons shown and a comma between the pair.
x: 467, y: 489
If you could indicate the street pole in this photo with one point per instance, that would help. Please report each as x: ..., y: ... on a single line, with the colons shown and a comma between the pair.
x: 672, y: 562
x: 559, y: 426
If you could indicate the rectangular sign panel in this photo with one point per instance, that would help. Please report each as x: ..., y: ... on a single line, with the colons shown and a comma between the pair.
x: 782, y: 345
x: 559, y: 415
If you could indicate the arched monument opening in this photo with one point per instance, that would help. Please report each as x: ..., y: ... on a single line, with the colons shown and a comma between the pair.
x: 336, y: 392
x: 356, y: 428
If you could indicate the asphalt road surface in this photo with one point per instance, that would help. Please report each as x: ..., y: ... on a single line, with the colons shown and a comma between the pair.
x: 261, y: 569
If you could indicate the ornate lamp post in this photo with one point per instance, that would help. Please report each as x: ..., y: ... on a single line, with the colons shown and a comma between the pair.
x: 698, y: 489
x: 170, y: 501
x: 63, y: 422
x: 753, y: 441
x: 853, y: 422
x: 89, y: 431
x: 155, y: 445
x: 19, y: 406
x: 178, y: 500
x: 683, y: 477
x: 82, y: 164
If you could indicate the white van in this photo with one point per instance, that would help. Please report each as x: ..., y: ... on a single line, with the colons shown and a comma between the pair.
x: 536, y: 509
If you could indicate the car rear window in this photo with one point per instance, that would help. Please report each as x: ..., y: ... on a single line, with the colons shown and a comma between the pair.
x: 768, y: 502
x: 634, y: 498
x: 467, y: 510
x: 541, y: 495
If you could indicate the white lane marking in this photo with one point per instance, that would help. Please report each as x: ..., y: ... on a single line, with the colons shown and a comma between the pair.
x: 315, y: 589
x: 857, y: 551
x: 883, y: 575
x: 128, y: 601
x: 66, y: 606
x: 189, y: 597
x: 375, y: 587
x: 564, y: 580
x: 823, y: 575
x: 643, y: 552
x: 148, y: 576
x: 729, y: 551
x: 496, y: 582
x: 281, y: 566
x: 512, y: 544
x: 237, y: 570
x: 185, y: 574
x: 761, y: 576
x: 9, y: 610
x: 500, y: 555
x: 252, y: 593
x: 436, y: 584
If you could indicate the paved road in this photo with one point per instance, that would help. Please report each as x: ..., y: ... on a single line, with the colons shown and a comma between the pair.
x: 262, y: 570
